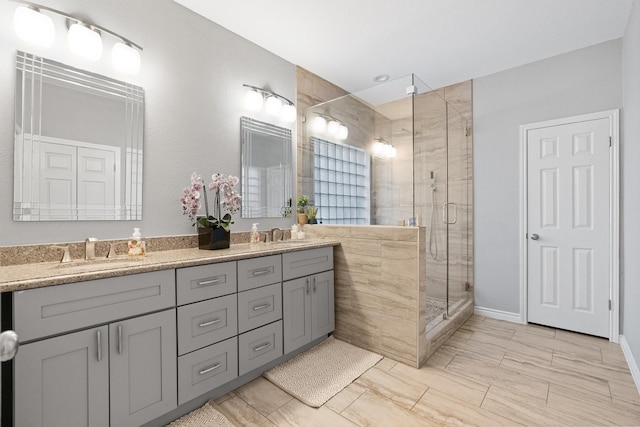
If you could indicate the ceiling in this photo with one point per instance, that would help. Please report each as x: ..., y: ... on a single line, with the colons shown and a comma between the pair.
x: 348, y: 42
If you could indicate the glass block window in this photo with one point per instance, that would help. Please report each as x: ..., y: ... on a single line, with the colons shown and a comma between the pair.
x: 341, y: 183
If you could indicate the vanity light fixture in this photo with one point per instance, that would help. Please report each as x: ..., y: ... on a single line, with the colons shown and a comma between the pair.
x: 384, y: 149
x: 274, y: 104
x: 84, y: 41
x: 125, y: 58
x: 33, y: 23
x: 33, y: 26
x: 333, y: 127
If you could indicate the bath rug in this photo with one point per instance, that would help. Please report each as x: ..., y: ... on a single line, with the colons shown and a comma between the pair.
x: 205, y: 416
x: 318, y: 374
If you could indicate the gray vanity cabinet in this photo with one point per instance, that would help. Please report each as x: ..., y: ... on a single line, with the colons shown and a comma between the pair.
x: 93, y: 356
x: 143, y: 367
x: 308, y: 301
x: 125, y: 371
x: 63, y: 381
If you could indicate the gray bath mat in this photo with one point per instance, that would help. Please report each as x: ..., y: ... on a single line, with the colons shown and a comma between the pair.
x: 205, y: 416
x: 318, y: 374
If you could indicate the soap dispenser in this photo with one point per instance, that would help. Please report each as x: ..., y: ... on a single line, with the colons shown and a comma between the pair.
x: 136, y: 245
x: 255, y: 236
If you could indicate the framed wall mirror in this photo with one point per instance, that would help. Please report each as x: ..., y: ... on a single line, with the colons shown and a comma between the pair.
x: 78, y: 150
x: 267, y: 172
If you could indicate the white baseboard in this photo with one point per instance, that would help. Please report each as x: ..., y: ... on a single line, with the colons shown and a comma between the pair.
x: 631, y: 361
x: 497, y: 314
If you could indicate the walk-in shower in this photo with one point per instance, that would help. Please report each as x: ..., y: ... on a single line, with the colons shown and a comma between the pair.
x: 405, y: 161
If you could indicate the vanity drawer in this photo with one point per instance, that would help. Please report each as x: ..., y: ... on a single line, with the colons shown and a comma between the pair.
x: 304, y: 263
x: 206, y: 369
x: 205, y: 281
x: 259, y: 306
x: 206, y: 322
x: 56, y: 309
x: 259, y: 347
x: 256, y: 272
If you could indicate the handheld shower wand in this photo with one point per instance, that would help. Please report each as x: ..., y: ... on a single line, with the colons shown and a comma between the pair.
x: 433, y: 236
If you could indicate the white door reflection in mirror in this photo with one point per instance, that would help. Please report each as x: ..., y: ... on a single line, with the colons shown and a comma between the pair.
x: 78, y: 144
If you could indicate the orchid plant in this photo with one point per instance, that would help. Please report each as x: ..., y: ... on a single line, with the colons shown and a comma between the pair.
x: 225, y: 198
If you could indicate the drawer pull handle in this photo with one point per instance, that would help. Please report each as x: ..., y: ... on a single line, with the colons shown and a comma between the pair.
x: 260, y: 307
x: 314, y: 285
x: 214, y: 367
x: 209, y: 282
x: 262, y: 347
x: 99, y: 345
x: 119, y: 339
x: 307, y: 286
x: 261, y: 272
x: 213, y: 322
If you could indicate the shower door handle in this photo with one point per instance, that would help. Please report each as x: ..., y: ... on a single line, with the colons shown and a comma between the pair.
x: 445, y: 211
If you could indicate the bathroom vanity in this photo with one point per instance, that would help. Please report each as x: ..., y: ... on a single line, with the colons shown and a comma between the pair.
x: 135, y: 342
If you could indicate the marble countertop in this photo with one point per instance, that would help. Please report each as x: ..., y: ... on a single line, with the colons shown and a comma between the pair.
x: 37, y: 275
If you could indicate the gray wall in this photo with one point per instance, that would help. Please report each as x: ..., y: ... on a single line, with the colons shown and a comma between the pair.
x: 582, y: 81
x: 630, y: 181
x: 192, y: 72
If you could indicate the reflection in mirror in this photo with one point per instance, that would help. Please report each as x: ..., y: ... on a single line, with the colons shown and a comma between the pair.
x: 266, y: 169
x: 78, y: 144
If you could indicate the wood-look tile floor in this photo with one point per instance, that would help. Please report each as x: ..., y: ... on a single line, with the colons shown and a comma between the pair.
x: 489, y: 373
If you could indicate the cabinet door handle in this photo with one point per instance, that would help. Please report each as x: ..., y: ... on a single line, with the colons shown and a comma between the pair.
x: 209, y: 282
x: 307, y: 286
x: 314, y: 285
x: 260, y: 307
x: 261, y: 272
x: 213, y: 322
x: 262, y: 347
x: 207, y: 370
x: 119, y: 339
x: 99, y: 340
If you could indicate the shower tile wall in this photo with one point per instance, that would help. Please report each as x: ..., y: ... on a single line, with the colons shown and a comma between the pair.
x: 392, y: 184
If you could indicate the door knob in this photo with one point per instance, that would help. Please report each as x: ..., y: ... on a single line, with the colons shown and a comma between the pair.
x: 8, y: 345
x: 534, y: 237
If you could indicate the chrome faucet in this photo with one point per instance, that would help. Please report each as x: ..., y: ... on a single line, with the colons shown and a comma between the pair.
x: 276, y: 234
x: 90, y: 248
x: 66, y: 257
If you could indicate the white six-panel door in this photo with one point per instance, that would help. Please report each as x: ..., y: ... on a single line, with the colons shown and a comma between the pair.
x: 568, y: 226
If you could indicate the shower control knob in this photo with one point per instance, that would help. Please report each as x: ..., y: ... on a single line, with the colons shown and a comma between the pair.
x: 534, y: 237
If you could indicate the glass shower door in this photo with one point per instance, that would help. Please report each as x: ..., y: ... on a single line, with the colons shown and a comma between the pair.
x: 456, y: 211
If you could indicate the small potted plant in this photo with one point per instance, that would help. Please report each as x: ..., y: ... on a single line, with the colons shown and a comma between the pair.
x: 302, y: 203
x: 312, y: 213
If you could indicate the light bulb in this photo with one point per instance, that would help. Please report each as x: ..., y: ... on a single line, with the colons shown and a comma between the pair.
x: 343, y: 132
x: 253, y: 100
x: 318, y: 124
x: 288, y: 113
x: 378, y: 148
x: 125, y: 58
x: 273, y: 105
x: 333, y: 127
x: 85, y: 42
x: 33, y: 26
